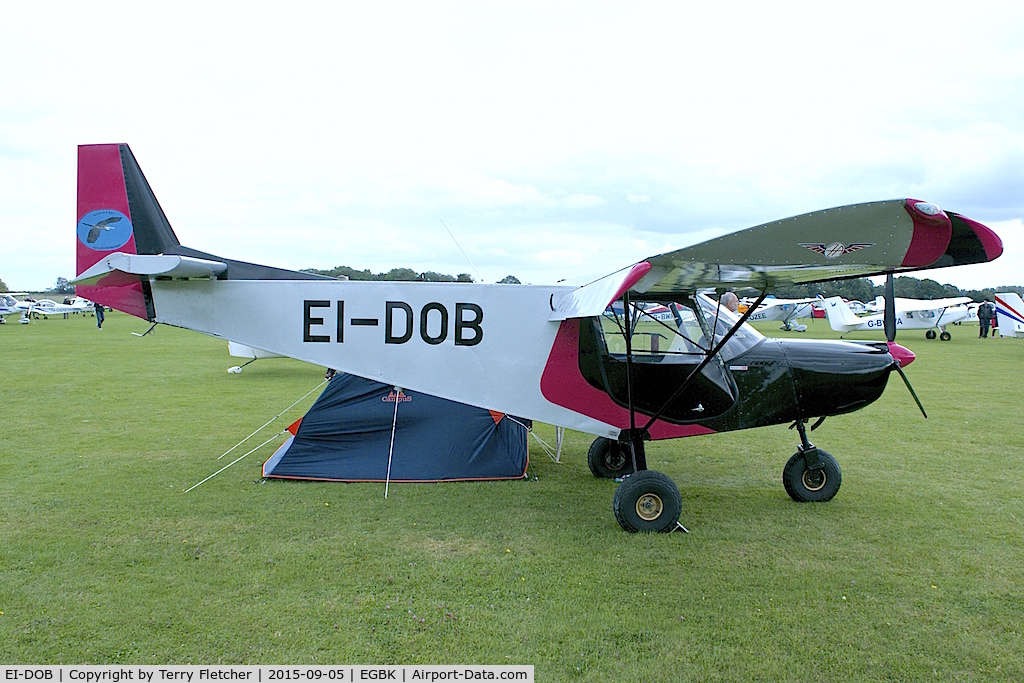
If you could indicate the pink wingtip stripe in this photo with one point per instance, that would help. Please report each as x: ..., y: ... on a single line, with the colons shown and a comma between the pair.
x: 989, y: 240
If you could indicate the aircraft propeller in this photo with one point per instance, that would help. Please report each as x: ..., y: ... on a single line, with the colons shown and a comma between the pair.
x: 897, y: 368
x: 889, y: 314
x: 889, y: 322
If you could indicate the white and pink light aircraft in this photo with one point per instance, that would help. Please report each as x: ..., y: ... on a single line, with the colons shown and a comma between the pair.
x: 552, y: 353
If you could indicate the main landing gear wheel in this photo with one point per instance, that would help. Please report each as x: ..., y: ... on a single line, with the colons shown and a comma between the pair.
x: 930, y: 334
x: 806, y: 485
x: 607, y: 459
x: 945, y: 336
x: 647, y: 501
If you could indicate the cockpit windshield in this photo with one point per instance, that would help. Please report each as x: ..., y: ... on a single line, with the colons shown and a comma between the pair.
x: 673, y: 330
x: 723, y: 319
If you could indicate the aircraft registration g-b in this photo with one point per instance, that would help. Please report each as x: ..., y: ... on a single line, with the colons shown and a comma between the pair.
x: 556, y: 354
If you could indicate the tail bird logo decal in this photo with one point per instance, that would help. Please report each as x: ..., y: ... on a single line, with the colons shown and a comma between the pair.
x: 834, y: 250
x: 104, y: 230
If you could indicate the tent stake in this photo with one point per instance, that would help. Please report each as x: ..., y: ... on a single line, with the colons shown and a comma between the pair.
x: 234, y: 461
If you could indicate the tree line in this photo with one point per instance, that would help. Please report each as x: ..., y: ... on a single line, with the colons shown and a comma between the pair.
x: 860, y: 289
x: 402, y: 275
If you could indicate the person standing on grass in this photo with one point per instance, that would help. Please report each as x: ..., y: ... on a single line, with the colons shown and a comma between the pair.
x: 98, y: 307
x: 985, y: 312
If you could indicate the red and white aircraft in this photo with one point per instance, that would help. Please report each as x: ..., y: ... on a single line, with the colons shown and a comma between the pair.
x: 556, y: 354
x: 788, y: 311
x: 1010, y: 314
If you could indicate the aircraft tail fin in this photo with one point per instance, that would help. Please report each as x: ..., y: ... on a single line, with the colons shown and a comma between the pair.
x: 839, y: 315
x: 1010, y: 314
x: 124, y: 238
x: 117, y: 213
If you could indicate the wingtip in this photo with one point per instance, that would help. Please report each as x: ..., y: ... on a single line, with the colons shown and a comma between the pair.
x: 991, y: 242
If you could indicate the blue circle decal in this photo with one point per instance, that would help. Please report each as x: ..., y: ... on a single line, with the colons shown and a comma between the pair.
x: 104, y: 230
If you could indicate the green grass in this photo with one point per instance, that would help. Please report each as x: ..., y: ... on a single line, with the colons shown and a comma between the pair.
x: 914, y: 571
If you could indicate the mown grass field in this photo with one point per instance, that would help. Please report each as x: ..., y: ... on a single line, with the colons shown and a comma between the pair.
x: 915, y: 571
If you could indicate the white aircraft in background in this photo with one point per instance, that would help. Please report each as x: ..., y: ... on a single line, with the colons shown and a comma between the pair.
x: 9, y: 306
x: 48, y: 307
x: 1010, y: 314
x: 911, y: 314
x: 786, y: 310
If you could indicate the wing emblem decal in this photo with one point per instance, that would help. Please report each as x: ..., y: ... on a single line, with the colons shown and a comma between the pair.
x: 834, y: 250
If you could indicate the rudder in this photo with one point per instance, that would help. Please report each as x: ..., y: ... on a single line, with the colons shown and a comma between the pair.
x: 117, y: 212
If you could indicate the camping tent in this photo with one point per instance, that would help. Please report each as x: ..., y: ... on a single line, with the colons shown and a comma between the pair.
x: 347, y: 436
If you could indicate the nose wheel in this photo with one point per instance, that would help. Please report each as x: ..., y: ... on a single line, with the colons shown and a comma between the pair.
x: 812, y: 475
x: 806, y: 485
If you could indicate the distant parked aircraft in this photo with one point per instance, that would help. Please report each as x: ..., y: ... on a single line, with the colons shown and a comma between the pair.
x: 1010, y: 314
x: 911, y: 314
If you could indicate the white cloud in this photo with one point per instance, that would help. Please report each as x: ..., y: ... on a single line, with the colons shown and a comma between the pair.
x: 326, y: 134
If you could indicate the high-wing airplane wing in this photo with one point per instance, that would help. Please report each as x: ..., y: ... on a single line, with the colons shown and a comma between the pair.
x: 850, y: 241
x: 904, y: 305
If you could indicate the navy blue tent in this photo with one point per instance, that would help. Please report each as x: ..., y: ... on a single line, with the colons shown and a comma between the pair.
x: 346, y: 436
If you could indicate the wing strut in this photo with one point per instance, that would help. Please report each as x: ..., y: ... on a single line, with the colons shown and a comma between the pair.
x: 635, y: 438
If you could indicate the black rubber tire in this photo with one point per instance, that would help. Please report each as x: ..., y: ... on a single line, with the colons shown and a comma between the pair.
x: 647, y: 501
x: 807, y: 486
x: 930, y: 334
x: 607, y: 459
x: 945, y: 336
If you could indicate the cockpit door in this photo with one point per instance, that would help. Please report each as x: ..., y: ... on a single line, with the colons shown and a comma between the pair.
x: 668, y: 341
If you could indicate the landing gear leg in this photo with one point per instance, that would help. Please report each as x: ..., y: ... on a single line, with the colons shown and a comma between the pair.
x: 645, y: 500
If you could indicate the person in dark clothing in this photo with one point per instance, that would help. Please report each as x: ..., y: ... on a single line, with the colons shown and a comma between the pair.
x: 98, y: 307
x: 985, y: 312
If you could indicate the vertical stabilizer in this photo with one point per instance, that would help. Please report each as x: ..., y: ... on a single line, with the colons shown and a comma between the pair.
x: 1010, y: 314
x: 840, y: 317
x: 117, y: 212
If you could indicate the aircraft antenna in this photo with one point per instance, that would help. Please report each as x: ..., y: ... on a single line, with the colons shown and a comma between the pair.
x: 481, y: 277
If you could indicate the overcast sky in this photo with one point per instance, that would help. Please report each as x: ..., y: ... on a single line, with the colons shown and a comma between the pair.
x: 554, y: 140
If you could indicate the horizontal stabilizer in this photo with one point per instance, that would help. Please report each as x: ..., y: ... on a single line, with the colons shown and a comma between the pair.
x: 147, y: 265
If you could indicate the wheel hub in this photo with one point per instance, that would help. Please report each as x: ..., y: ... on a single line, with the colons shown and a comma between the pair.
x: 649, y: 507
x: 615, y: 460
x: 814, y: 480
